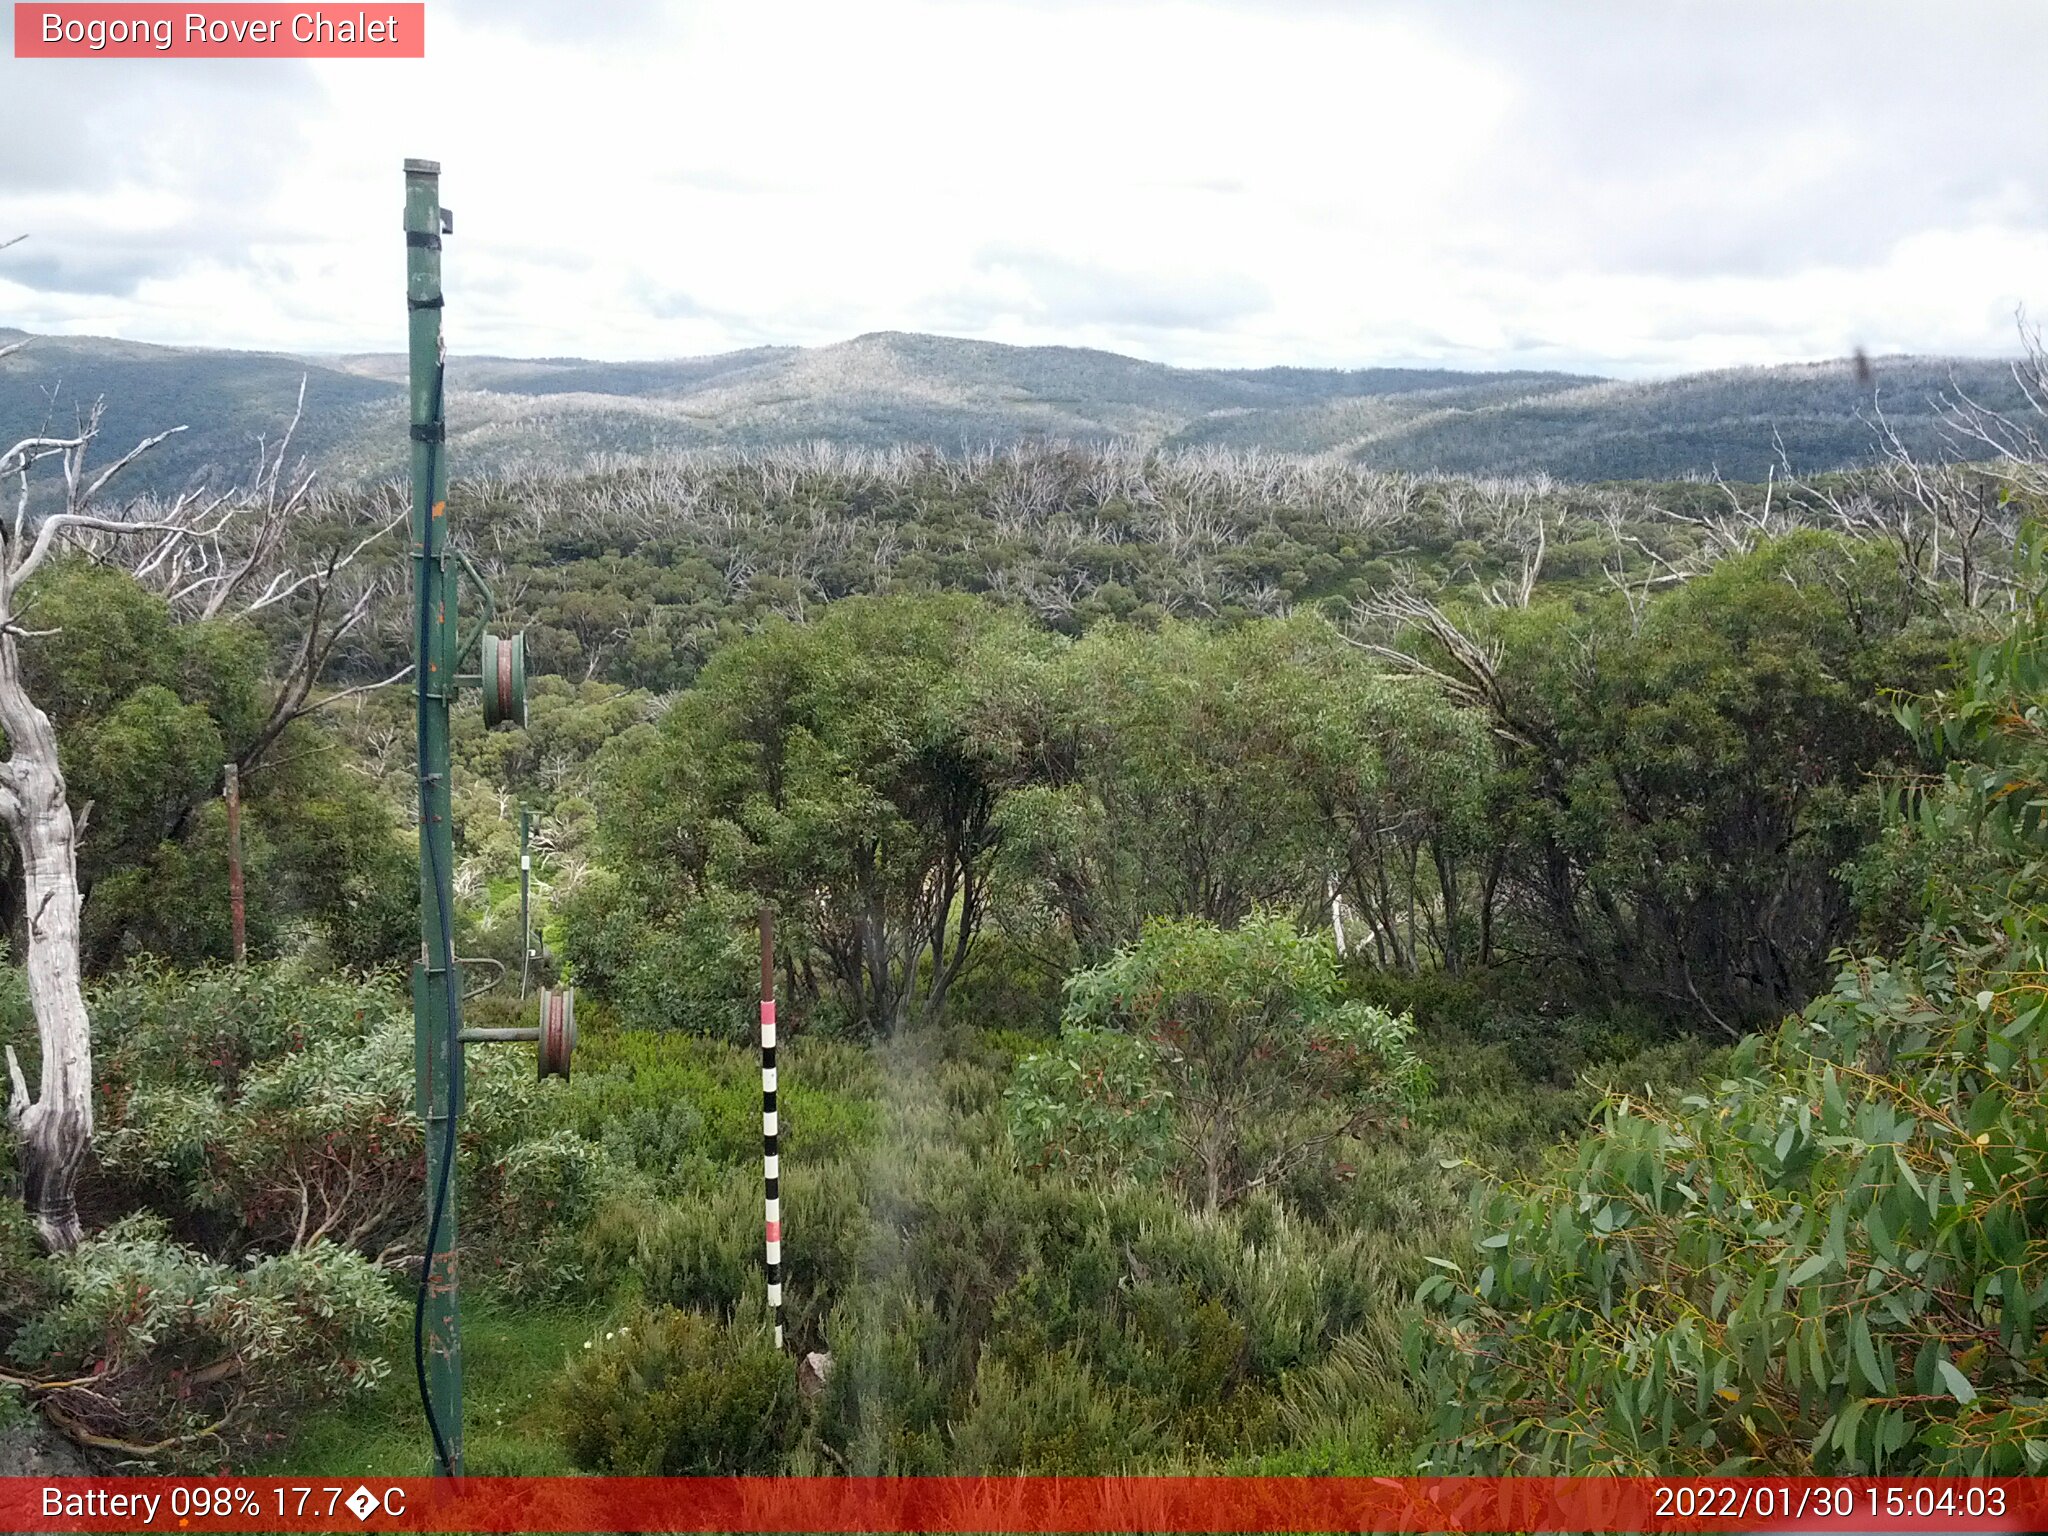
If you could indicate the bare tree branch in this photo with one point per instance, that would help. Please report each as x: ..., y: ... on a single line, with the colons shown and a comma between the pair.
x: 123, y: 462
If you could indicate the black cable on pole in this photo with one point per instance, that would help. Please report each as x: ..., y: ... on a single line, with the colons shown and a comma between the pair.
x: 447, y: 959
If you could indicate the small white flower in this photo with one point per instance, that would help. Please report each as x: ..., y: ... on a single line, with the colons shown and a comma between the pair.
x: 586, y: 1343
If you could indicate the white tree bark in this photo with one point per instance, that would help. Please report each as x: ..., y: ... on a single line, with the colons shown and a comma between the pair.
x: 54, y: 1127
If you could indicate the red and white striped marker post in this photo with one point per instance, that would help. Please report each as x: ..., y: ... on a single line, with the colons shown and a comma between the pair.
x: 771, y: 1159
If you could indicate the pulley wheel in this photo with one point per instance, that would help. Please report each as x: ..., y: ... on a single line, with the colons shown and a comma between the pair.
x: 504, y: 680
x: 557, y: 1030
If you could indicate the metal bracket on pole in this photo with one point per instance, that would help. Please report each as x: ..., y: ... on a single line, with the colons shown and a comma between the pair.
x: 555, y: 1034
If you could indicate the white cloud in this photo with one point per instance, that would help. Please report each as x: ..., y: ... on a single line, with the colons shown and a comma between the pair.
x: 1564, y: 183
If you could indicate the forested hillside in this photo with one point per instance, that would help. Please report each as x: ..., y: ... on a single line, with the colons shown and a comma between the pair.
x: 228, y: 402
x: 1201, y: 877
x: 891, y: 389
x: 1739, y: 422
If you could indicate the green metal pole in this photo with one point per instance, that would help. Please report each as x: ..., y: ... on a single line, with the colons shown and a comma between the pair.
x: 436, y: 988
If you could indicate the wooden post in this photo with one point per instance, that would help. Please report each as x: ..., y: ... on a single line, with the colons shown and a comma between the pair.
x: 238, y: 912
x: 771, y: 1159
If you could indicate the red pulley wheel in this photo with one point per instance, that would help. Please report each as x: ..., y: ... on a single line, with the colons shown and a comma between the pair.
x: 504, y: 680
x: 557, y: 1030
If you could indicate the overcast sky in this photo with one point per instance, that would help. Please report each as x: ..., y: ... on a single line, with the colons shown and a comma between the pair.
x: 1630, y: 187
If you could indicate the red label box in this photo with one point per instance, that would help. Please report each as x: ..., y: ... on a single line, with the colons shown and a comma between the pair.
x: 1058, y: 1506
x: 373, y: 30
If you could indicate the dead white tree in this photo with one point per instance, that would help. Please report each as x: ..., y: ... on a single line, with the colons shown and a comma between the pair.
x: 1395, y: 625
x: 54, y: 1126
x: 1951, y: 518
x: 1525, y: 529
x: 2006, y: 446
x: 211, y: 554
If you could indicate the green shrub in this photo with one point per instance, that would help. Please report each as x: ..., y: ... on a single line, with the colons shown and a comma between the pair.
x: 674, y: 1394
x: 692, y: 972
x: 318, y: 1142
x: 828, y: 1231
x: 190, y: 1359
x: 1190, y: 1323
x: 1440, y: 1003
x: 1012, y: 986
x: 1092, y: 1106
x: 1824, y: 1266
x: 679, y: 1108
x: 205, y: 1028
x: 1336, y: 1418
x: 1233, y: 1051
x: 28, y: 1282
x: 545, y: 1195
x: 1202, y: 1354
x: 895, y: 1375
x: 1007, y: 1047
x: 661, y: 1140
x: 837, y: 1068
x: 705, y: 1253
x: 264, y: 1107
x: 1056, y: 1419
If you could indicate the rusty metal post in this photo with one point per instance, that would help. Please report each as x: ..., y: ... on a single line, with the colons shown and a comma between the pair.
x: 238, y: 911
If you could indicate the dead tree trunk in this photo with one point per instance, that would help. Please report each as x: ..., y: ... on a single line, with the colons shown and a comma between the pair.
x: 55, y: 1126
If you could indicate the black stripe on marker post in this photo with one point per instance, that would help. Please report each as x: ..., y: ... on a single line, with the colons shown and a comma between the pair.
x: 771, y: 1161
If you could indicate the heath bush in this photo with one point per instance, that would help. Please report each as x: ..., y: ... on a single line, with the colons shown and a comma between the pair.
x: 675, y: 1394
x: 188, y: 1359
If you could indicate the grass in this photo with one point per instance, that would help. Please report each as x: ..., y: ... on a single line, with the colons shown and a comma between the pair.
x: 511, y: 1357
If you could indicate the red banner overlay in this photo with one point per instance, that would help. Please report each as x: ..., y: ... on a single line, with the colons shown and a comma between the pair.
x: 994, y: 1504
x: 368, y: 29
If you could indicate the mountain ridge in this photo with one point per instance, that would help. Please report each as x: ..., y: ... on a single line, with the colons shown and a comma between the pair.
x: 887, y: 388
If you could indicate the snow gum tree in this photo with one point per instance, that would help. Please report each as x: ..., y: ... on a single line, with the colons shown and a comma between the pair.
x: 208, y: 555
